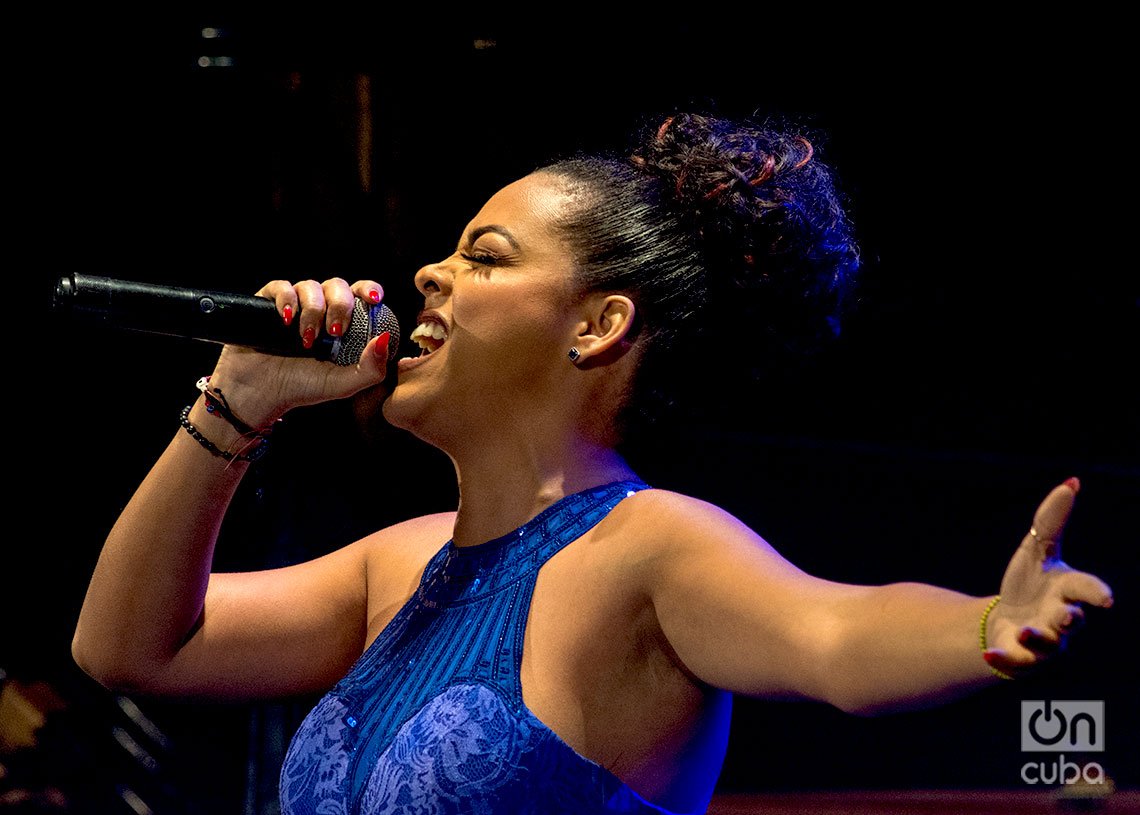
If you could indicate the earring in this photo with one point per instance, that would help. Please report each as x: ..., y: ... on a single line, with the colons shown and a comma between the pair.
x: 574, y: 353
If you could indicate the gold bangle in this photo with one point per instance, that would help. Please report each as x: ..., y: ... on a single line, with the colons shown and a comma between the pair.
x: 982, y: 636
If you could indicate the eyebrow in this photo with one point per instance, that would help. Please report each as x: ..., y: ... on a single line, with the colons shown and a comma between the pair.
x: 498, y: 230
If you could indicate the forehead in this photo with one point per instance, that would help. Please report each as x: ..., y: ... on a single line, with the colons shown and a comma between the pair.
x: 529, y: 208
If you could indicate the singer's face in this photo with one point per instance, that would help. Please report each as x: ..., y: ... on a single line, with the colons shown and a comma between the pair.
x: 502, y: 311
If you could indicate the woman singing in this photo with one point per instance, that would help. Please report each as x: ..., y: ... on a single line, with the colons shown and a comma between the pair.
x: 569, y: 639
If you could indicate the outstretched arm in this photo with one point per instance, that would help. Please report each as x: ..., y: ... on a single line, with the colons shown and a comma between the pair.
x: 742, y: 618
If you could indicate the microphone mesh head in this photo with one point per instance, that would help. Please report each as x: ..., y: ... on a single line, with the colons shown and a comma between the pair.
x: 368, y: 321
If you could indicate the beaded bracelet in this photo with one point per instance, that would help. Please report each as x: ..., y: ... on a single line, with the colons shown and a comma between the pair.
x: 253, y: 455
x: 982, y: 636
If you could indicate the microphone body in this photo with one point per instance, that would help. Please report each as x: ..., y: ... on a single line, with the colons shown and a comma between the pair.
x: 219, y: 317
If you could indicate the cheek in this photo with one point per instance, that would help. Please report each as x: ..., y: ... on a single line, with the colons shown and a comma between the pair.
x: 493, y: 319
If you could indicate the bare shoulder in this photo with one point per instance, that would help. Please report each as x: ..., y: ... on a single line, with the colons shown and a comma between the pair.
x: 667, y: 538
x: 660, y: 521
x: 412, y: 529
x: 411, y: 541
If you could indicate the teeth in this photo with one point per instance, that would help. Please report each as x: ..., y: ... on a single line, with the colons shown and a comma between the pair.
x: 433, y: 330
x: 428, y: 336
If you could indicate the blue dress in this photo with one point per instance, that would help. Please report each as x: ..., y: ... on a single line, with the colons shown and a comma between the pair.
x: 431, y: 718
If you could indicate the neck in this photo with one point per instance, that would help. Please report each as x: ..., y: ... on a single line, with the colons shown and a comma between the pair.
x: 504, y: 484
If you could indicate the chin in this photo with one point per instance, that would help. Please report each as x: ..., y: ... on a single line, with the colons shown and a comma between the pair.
x: 409, y: 408
x: 398, y: 410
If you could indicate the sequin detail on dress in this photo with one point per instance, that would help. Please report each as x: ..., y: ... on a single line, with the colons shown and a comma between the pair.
x: 431, y: 720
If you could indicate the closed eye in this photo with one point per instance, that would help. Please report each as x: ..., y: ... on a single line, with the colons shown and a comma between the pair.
x: 482, y: 260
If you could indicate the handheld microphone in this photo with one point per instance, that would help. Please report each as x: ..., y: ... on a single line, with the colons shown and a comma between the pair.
x: 219, y: 317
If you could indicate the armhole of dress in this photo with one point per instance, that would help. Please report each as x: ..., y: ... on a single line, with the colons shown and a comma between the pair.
x: 381, y: 641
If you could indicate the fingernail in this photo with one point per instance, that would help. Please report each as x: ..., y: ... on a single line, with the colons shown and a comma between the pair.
x: 1024, y: 636
x: 287, y: 315
x: 374, y: 296
x: 989, y: 657
x: 308, y: 337
x: 335, y: 329
x: 1074, y: 484
x: 381, y: 346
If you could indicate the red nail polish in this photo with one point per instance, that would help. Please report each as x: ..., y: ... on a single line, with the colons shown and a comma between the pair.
x: 1024, y: 636
x: 335, y: 329
x: 988, y: 657
x: 308, y: 337
x: 381, y: 346
x: 374, y: 296
x: 1074, y: 484
x: 287, y: 315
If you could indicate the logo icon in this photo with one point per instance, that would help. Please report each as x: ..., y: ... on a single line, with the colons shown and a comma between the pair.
x: 1057, y: 726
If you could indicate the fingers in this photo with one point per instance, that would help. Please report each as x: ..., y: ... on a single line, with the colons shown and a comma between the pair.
x: 1072, y: 618
x: 1034, y: 646
x: 1043, y: 642
x: 339, y: 300
x: 1038, y: 642
x: 312, y: 318
x: 1082, y: 587
x: 1063, y: 614
x: 1044, y: 537
x: 378, y: 351
x: 319, y: 307
x: 1011, y: 666
x: 368, y: 290
x: 368, y: 371
x: 282, y: 293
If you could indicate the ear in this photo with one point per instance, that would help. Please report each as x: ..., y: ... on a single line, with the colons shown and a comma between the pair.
x: 604, y: 334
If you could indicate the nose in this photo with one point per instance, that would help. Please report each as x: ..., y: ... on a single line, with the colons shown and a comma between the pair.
x: 433, y: 279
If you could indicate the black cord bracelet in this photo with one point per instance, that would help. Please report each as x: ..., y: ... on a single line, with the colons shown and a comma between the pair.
x: 216, y: 404
x: 253, y: 455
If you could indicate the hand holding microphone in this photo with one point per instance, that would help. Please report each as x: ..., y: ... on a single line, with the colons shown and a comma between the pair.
x: 281, y: 319
x: 278, y: 343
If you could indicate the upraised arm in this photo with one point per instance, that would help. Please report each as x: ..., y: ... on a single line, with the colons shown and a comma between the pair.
x: 154, y: 619
x: 741, y: 617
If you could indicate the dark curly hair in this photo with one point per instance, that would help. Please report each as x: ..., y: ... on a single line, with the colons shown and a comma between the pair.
x: 722, y: 232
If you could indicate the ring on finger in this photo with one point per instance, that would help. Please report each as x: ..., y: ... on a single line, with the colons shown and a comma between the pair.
x: 1049, y: 544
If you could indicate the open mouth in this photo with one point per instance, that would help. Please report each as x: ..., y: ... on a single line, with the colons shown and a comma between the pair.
x: 429, y: 335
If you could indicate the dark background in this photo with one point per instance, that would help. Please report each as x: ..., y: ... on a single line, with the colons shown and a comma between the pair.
x: 994, y: 353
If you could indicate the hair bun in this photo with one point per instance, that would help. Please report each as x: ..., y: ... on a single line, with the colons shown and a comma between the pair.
x: 768, y: 216
x: 705, y: 161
